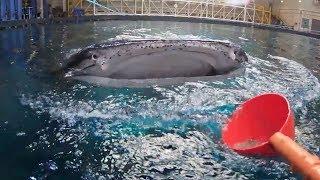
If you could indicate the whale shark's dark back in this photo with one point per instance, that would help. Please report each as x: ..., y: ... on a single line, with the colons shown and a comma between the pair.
x: 154, y: 59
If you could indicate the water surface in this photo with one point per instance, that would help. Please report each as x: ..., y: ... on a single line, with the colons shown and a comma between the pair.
x: 52, y: 128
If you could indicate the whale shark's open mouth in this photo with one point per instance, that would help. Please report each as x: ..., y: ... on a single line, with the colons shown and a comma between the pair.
x: 155, y: 62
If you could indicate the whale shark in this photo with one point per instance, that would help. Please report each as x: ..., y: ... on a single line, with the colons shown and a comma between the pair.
x: 143, y: 63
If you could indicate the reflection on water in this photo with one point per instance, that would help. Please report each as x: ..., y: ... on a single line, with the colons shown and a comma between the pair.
x: 57, y: 129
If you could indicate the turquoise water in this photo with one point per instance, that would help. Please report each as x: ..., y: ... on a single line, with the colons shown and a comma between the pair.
x: 52, y: 128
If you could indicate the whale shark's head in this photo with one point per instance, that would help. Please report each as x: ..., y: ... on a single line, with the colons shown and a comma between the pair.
x: 84, y: 62
x: 240, y: 55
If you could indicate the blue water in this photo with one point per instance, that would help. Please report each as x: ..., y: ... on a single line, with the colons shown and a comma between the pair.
x: 53, y: 128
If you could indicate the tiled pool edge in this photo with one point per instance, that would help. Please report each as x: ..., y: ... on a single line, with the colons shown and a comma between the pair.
x: 24, y: 23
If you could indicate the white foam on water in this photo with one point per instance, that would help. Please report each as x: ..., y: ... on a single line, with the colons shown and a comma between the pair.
x: 136, y: 35
x: 172, y: 153
x: 244, y: 39
x: 140, y: 30
x: 277, y: 75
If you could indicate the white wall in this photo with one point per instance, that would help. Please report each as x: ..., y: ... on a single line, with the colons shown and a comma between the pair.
x: 292, y: 11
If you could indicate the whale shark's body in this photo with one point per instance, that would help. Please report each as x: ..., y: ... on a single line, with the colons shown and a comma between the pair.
x: 141, y: 63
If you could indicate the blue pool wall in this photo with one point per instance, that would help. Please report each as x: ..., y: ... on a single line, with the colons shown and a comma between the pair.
x: 12, y: 10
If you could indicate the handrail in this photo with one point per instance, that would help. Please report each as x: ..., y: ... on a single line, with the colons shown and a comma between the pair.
x: 317, y: 12
x: 97, y: 4
x: 300, y: 11
x: 178, y: 8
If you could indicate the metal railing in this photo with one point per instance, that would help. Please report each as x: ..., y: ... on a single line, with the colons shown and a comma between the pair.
x: 211, y: 9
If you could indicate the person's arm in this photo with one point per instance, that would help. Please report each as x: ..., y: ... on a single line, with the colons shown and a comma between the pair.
x: 300, y: 159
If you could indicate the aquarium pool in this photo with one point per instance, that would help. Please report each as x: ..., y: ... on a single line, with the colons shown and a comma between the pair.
x: 53, y: 128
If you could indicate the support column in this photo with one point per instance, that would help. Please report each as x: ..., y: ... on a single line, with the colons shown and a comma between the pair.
x: 121, y: 9
x: 207, y: 6
x: 263, y: 14
x: 234, y: 13
x: 45, y: 9
x: 245, y: 13
x: 41, y: 8
x: 149, y: 6
x: 18, y: 4
x: 188, y: 9
x: 224, y: 11
x: 34, y: 10
x: 11, y: 10
x: 64, y: 5
x: 162, y: 7
x: 3, y: 10
x: 94, y: 7
x: 270, y: 15
x: 142, y: 6
x: 254, y: 13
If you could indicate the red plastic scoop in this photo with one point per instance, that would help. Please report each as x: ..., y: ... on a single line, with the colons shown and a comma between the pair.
x: 255, y: 121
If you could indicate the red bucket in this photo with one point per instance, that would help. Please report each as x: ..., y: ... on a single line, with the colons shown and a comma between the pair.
x: 255, y: 121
